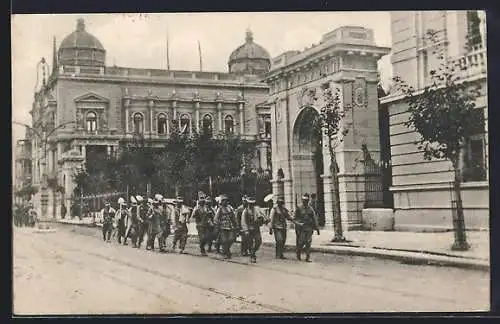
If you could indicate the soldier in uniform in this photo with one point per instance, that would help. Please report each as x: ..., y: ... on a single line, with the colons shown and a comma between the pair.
x: 251, y: 221
x: 132, y: 223
x: 180, y: 219
x: 202, y: 217
x: 279, y: 215
x: 154, y: 217
x: 165, y: 223
x: 108, y: 213
x: 142, y: 226
x: 210, y: 227
x: 225, y: 219
x: 306, y: 221
x: 121, y: 218
x: 239, y: 213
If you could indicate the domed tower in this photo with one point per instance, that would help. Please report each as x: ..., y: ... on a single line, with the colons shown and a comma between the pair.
x: 82, y: 51
x: 250, y: 58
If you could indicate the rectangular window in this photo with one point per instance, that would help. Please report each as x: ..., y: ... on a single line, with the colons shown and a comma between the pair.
x: 474, y: 41
x: 474, y: 155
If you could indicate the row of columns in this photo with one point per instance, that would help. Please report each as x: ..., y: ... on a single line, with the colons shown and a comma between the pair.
x: 196, y: 104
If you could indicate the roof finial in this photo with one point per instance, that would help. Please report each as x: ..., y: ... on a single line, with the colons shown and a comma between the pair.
x: 249, y: 36
x: 80, y: 24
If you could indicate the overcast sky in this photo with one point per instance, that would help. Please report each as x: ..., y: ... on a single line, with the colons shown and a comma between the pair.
x: 135, y: 40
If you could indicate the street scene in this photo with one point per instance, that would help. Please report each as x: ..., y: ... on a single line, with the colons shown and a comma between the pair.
x: 201, y: 164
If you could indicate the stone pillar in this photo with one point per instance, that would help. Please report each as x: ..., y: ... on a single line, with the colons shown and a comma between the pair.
x: 127, y: 105
x: 84, y: 153
x: 151, y: 105
x: 278, y: 188
x: 242, y: 118
x: 288, y: 193
x: 197, y: 114
x: 174, y: 111
x: 482, y: 27
x: 219, y: 115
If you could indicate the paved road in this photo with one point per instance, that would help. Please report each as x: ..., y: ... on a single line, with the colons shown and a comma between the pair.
x: 71, y: 271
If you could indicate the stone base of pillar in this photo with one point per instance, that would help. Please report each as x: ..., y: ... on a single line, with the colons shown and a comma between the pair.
x: 288, y: 193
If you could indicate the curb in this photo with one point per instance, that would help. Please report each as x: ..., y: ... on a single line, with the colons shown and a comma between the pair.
x: 415, y: 258
x: 406, y: 257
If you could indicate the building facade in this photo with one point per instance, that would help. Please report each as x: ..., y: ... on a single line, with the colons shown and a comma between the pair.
x: 346, y: 59
x: 22, y: 175
x: 87, y: 107
x: 422, y: 189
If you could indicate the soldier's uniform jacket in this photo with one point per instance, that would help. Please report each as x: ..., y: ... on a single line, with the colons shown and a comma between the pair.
x: 107, y: 215
x: 201, y: 215
x: 239, y: 214
x: 179, y: 217
x: 307, y: 216
x: 279, y: 216
x: 250, y: 219
x: 155, y: 215
x: 165, y: 219
x: 225, y: 218
x: 121, y: 216
x: 143, y: 213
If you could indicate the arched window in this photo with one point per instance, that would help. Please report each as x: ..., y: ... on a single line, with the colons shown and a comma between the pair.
x: 91, y: 120
x: 161, y: 124
x: 185, y: 124
x: 138, y: 123
x: 228, y: 124
x: 267, y: 126
x: 207, y: 125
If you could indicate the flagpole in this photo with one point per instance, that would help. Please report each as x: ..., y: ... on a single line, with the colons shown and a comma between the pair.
x: 168, y: 58
x: 199, y: 52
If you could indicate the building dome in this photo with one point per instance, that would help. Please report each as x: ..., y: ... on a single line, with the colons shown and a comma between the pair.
x: 249, y: 58
x: 81, y: 49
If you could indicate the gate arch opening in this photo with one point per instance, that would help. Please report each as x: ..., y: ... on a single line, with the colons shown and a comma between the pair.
x: 307, y: 159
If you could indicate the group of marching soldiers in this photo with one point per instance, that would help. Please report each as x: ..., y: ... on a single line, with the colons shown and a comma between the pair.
x: 218, y: 224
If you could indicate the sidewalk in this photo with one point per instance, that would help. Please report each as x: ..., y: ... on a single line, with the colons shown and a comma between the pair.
x: 420, y: 248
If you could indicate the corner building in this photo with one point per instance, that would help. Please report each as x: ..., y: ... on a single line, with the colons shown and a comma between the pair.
x: 422, y: 189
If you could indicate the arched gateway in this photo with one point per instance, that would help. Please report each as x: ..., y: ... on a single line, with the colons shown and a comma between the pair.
x: 307, y: 158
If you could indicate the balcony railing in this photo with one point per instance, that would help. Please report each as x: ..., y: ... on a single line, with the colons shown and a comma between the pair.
x: 472, y: 64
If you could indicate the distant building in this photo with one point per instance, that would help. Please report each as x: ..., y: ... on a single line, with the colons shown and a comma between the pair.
x: 112, y: 106
x: 422, y: 189
x: 346, y: 58
x: 22, y: 176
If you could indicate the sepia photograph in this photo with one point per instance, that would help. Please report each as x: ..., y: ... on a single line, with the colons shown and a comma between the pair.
x: 250, y: 163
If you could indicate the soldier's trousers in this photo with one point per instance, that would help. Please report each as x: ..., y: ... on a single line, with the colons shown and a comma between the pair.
x: 106, y: 231
x: 180, y: 235
x: 280, y: 239
x: 132, y: 233
x: 121, y: 231
x: 304, y: 240
x: 204, y: 236
x: 226, y: 240
x: 152, y: 234
x: 254, y: 241
x: 244, y: 244
x: 162, y: 237
x: 142, y: 229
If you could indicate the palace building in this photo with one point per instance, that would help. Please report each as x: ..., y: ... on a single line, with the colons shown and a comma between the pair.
x: 97, y: 108
x: 422, y: 190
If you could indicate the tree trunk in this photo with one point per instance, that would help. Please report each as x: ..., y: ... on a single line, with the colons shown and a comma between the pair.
x: 337, y: 219
x: 458, y: 213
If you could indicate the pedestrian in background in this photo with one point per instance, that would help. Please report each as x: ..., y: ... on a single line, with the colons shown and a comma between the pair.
x: 279, y: 215
x: 121, y: 219
x: 306, y: 221
x: 165, y: 225
x: 211, y: 224
x: 225, y: 219
x: 63, y: 211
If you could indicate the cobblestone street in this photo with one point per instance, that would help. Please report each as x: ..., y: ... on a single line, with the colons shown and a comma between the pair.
x: 71, y: 271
